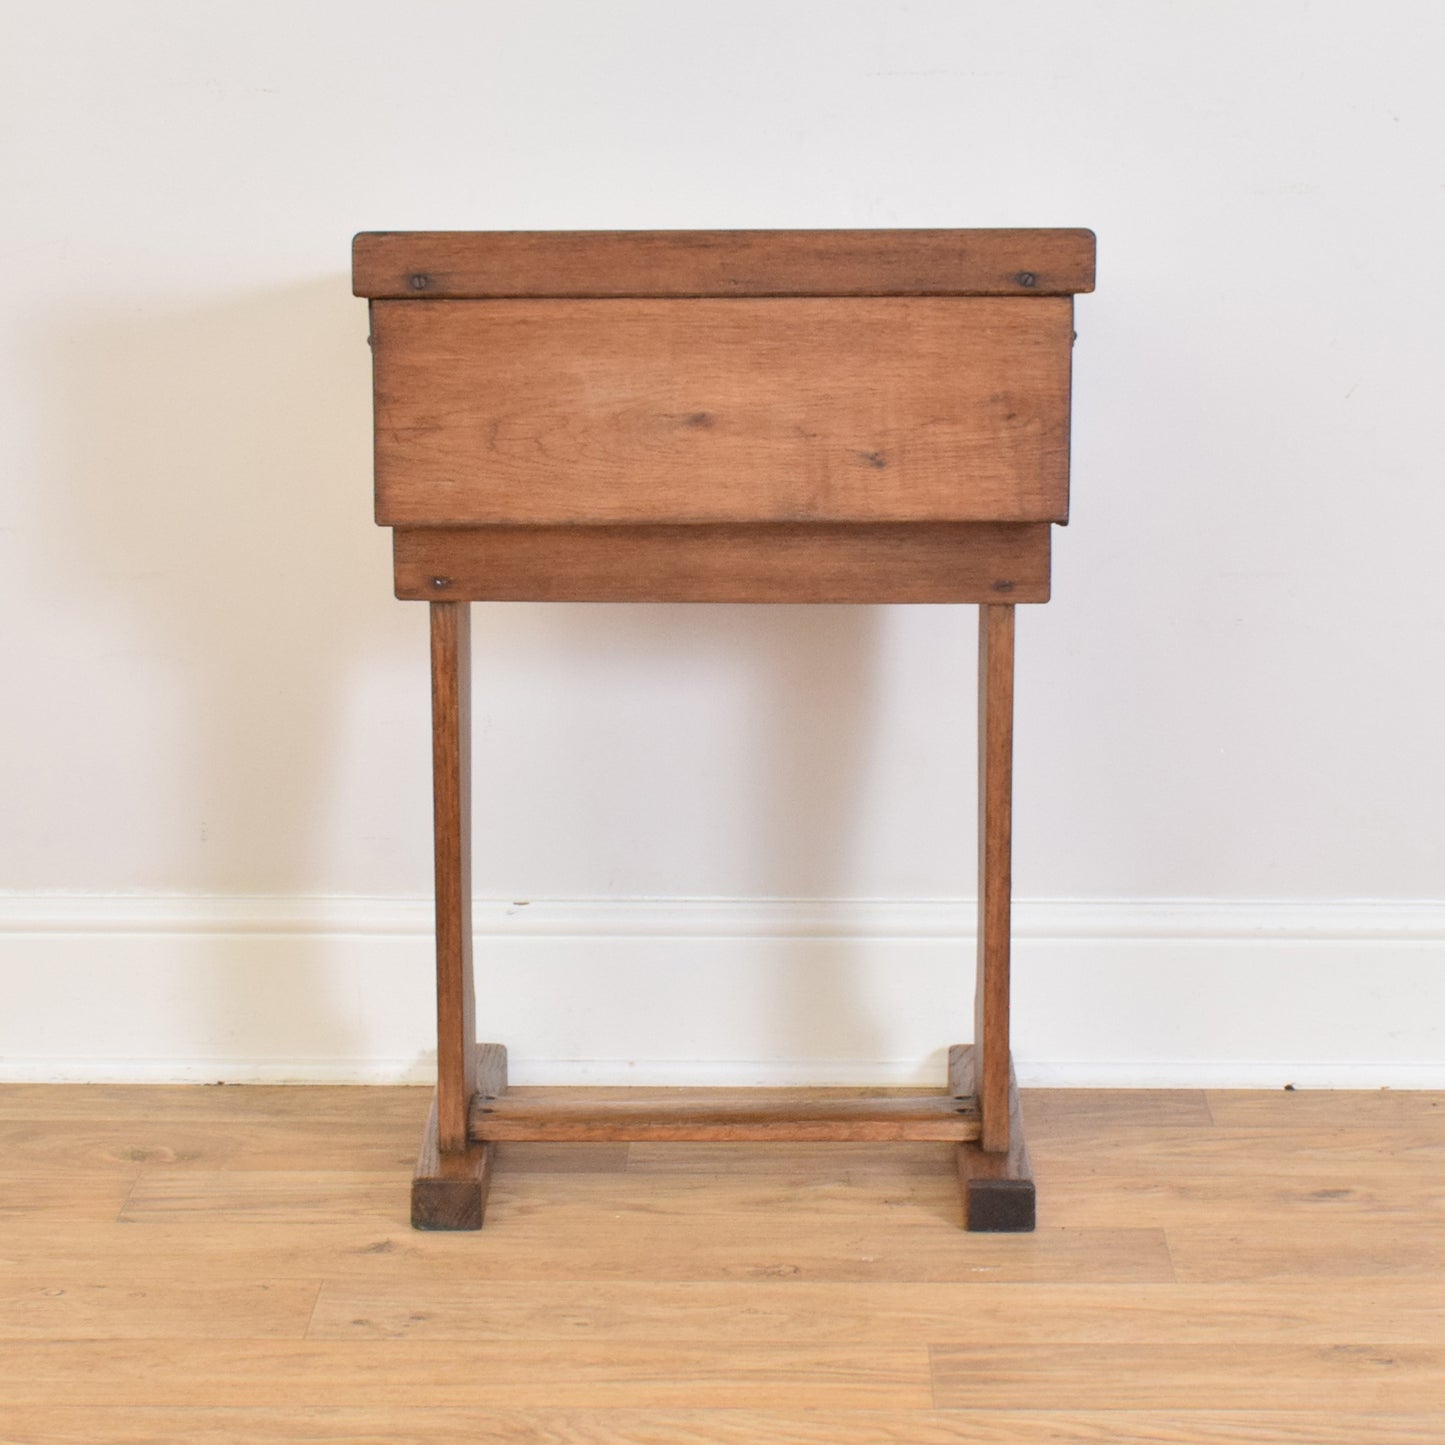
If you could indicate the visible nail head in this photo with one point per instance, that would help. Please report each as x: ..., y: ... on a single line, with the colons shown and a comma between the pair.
x: 1026, y: 278
x: 419, y: 280
x: 440, y: 582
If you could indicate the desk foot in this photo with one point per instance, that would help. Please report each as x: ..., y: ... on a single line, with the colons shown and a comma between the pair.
x: 449, y: 1191
x: 992, y: 1205
x: 998, y: 1188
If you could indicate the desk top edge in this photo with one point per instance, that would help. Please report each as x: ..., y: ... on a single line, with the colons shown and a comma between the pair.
x: 484, y: 265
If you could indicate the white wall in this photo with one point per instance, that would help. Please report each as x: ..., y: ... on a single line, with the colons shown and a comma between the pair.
x: 215, y: 719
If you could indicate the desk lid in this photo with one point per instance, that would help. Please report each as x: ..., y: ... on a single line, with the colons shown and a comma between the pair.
x: 461, y: 265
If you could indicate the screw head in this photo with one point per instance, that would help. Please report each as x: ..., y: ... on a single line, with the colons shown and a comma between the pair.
x: 418, y: 281
x: 1026, y: 278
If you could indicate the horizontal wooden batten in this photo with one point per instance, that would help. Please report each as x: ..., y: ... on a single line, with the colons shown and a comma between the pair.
x: 423, y: 265
x: 908, y: 562
x: 710, y: 411
x: 731, y: 1115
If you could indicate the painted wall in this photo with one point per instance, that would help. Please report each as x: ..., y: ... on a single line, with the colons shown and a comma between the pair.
x: 214, y: 743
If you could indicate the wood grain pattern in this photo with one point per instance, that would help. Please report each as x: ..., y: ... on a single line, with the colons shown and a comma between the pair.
x: 449, y: 1187
x: 692, y: 1115
x: 336, y: 1225
x: 1389, y: 1152
x: 270, y: 1197
x: 1335, y: 1202
x: 938, y: 562
x: 888, y: 1160
x: 266, y: 1107
x: 35, y: 1147
x: 36, y: 1151
x: 1083, y: 1113
x: 1358, y: 1245
x: 737, y: 1304
x: 543, y: 1373
x: 57, y: 1304
x: 830, y: 1224
x: 76, y: 1193
x: 430, y: 1424
x: 998, y: 1187
x: 1233, y: 1376
x: 812, y: 410
x: 451, y: 673
x: 677, y: 1298
x: 995, y: 871
x: 1306, y: 1110
x: 440, y: 264
x: 829, y: 1312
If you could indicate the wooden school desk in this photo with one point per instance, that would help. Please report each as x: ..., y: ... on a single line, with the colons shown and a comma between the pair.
x: 722, y: 416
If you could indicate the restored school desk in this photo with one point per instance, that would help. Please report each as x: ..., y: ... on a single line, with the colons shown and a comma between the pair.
x: 722, y: 416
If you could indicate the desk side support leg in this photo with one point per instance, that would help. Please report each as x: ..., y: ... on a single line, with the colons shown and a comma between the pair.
x: 448, y: 1189
x: 998, y: 1188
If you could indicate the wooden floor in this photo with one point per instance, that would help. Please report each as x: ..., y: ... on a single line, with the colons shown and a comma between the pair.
x: 234, y: 1264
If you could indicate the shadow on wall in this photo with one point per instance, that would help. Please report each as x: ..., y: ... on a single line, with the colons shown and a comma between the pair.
x: 215, y: 460
x: 802, y: 689
x: 219, y: 464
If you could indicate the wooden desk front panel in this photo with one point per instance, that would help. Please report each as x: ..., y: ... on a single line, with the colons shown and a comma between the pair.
x: 881, y: 562
x: 799, y: 410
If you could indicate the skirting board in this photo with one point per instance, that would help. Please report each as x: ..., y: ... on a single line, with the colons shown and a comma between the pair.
x: 1109, y: 993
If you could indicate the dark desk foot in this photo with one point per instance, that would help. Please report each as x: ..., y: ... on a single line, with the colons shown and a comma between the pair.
x: 449, y: 1191
x: 998, y: 1189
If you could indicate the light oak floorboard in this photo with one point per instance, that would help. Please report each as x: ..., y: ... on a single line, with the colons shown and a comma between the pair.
x: 1389, y: 1151
x: 38, y: 1145
x: 60, y: 1304
x: 493, y: 1374
x: 57, y: 1195
x: 427, y: 1425
x: 1343, y: 1250
x: 675, y: 1227
x: 1241, y: 1376
x: 233, y: 1264
x: 1275, y: 1207
x: 819, y: 1160
x: 271, y: 1105
x: 368, y: 1248
x: 1078, y: 1111
x: 837, y: 1313
x: 1310, y: 1109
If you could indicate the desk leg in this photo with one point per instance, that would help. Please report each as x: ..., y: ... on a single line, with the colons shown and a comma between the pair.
x: 999, y: 1194
x: 447, y: 1190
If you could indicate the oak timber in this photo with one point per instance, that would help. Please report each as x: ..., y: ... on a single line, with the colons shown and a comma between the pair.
x: 646, y: 1116
x: 998, y: 1186
x: 800, y: 410
x: 899, y: 562
x: 451, y: 665
x: 444, y: 1424
x: 457, y: 264
x: 995, y: 879
x: 449, y: 1186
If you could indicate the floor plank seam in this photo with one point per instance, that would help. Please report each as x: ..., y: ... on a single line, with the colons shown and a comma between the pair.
x: 311, y: 1314
x: 1169, y: 1255
x: 129, y: 1194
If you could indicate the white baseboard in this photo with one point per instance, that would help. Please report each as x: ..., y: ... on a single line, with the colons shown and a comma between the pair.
x: 1111, y: 993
